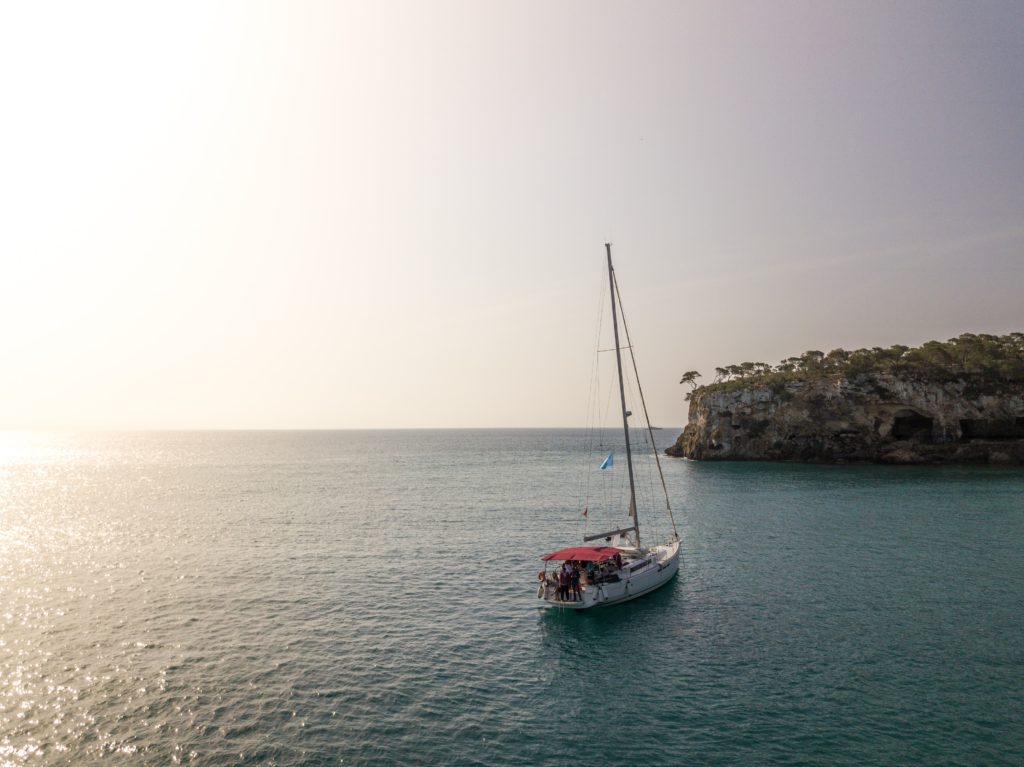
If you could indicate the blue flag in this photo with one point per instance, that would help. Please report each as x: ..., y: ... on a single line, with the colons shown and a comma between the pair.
x: 607, y: 462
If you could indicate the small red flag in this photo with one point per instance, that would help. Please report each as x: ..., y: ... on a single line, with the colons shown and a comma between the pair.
x: 585, y: 511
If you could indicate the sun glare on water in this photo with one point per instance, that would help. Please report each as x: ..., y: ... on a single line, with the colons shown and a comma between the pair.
x: 28, y: 447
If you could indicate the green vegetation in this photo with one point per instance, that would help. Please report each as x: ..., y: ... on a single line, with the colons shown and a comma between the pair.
x: 690, y: 377
x: 980, y: 358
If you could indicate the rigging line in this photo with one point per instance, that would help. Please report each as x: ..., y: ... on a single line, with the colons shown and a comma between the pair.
x: 595, y: 414
x: 594, y: 395
x: 604, y: 416
x: 595, y: 359
x: 643, y: 404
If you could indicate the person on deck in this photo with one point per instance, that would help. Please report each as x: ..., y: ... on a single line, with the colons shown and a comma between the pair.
x: 574, y: 579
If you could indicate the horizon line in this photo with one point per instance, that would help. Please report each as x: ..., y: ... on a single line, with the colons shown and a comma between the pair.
x: 119, y: 429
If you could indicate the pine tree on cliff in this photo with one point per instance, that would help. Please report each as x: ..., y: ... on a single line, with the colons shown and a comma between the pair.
x: 980, y: 357
x: 690, y: 377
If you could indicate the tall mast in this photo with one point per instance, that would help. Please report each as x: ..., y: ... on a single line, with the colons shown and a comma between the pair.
x: 622, y: 397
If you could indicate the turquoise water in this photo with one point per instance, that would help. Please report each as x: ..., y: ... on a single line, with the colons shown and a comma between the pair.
x: 368, y: 598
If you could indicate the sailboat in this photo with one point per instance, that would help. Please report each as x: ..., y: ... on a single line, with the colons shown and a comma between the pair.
x: 621, y: 567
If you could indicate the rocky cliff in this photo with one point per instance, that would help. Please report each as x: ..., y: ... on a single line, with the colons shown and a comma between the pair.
x: 870, y: 418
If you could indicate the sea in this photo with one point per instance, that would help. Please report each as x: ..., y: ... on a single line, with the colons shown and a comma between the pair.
x: 370, y: 598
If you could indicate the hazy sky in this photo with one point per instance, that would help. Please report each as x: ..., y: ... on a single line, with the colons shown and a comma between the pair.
x: 345, y: 215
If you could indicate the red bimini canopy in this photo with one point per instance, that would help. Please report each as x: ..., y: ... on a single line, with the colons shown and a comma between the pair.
x: 584, y: 553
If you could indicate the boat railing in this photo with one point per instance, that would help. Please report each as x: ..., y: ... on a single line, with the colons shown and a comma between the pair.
x: 632, y: 568
x: 602, y: 576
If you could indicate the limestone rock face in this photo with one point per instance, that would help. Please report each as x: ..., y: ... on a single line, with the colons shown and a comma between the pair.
x: 876, y: 418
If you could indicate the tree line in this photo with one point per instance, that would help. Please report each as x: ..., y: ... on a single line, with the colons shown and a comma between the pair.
x: 970, y: 355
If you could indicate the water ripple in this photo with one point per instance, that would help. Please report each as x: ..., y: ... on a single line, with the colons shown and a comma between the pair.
x: 367, y: 599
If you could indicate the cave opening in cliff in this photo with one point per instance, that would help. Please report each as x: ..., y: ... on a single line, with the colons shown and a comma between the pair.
x: 912, y: 425
x: 991, y: 428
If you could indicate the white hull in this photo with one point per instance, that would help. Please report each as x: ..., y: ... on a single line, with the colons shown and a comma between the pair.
x: 633, y: 581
